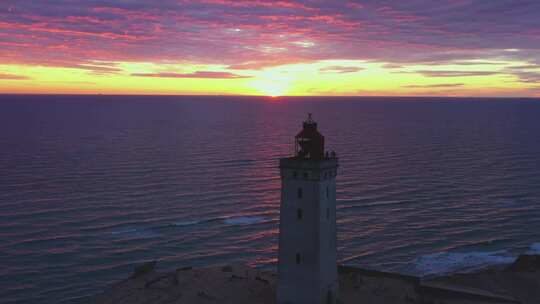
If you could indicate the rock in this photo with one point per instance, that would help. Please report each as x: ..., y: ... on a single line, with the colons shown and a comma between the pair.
x: 204, y: 295
x: 525, y: 262
x: 227, y: 269
x: 265, y: 281
x: 236, y: 277
x: 144, y: 269
x: 162, y: 282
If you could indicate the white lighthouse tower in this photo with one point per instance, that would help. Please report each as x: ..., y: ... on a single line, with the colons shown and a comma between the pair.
x: 307, y: 261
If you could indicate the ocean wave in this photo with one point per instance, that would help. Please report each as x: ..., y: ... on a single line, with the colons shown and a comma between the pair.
x: 232, y: 220
x: 534, y: 249
x: 186, y: 223
x: 244, y: 220
x: 149, y: 232
x: 139, y: 233
x: 451, y: 262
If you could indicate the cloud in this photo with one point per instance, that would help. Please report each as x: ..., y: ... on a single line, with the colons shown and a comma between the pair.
x: 340, y: 69
x: 525, y: 67
x: 198, y: 74
x: 463, y: 63
x: 528, y: 77
x: 4, y: 76
x: 392, y: 66
x: 248, y: 33
x: 435, y: 73
x: 441, y: 85
x: 99, y: 69
x: 477, y: 62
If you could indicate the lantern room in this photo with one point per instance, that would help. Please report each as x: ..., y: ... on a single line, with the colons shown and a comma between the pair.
x: 309, y: 143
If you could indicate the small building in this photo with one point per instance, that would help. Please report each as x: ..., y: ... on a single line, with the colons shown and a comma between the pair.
x: 307, y: 259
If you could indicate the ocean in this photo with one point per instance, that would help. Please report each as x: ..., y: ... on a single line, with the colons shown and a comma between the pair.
x: 92, y: 185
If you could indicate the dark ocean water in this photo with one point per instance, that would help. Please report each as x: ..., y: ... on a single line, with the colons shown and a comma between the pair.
x: 90, y: 186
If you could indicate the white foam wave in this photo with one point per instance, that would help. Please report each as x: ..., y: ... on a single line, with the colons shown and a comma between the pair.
x: 135, y: 233
x: 534, y: 249
x: 123, y: 231
x: 186, y: 223
x: 244, y: 220
x: 448, y: 262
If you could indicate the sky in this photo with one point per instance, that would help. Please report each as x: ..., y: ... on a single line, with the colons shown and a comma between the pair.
x: 271, y: 48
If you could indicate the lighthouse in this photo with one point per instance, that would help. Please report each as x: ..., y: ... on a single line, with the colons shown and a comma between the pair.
x: 307, y: 258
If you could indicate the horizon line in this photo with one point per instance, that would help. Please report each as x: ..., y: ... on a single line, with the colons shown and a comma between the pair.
x: 266, y: 96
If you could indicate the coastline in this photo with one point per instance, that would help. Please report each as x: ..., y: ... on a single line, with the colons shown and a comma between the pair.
x: 516, y: 283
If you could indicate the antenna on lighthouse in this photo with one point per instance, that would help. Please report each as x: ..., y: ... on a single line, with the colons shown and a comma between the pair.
x: 309, y: 119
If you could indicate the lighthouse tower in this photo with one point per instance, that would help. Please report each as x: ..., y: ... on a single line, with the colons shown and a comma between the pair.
x: 307, y: 262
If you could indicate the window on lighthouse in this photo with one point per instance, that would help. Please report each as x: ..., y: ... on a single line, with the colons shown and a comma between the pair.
x: 299, y: 214
x: 298, y: 258
x: 300, y: 194
x: 327, y: 192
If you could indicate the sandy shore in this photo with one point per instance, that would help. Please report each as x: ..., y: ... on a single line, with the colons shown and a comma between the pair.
x: 518, y: 283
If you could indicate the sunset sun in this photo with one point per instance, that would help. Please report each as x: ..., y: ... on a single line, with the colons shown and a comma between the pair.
x: 271, y: 88
x: 272, y: 84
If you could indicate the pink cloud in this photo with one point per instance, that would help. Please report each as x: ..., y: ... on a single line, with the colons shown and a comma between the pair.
x: 233, y: 32
x: 198, y: 74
